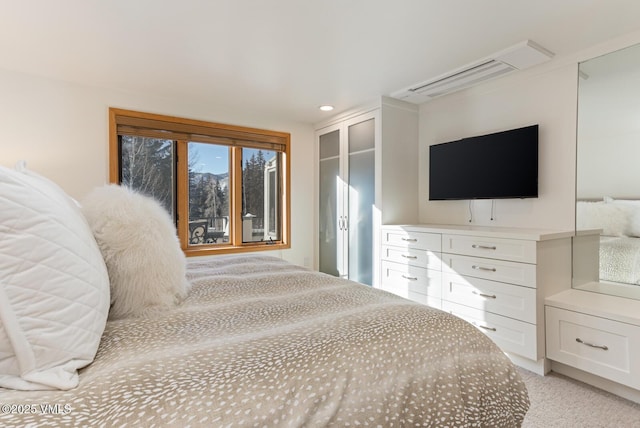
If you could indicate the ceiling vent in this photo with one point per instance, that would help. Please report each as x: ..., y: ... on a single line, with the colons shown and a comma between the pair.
x: 518, y: 57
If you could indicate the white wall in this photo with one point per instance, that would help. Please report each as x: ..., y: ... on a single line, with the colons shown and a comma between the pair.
x: 61, y: 130
x: 547, y: 99
x: 546, y: 95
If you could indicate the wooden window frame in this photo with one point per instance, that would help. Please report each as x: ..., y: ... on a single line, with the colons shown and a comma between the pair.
x: 184, y: 130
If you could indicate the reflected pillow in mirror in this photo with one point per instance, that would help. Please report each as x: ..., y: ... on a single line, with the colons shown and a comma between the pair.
x: 613, y: 219
x: 633, y: 206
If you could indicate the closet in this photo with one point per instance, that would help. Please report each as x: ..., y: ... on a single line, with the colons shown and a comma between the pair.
x: 367, y: 175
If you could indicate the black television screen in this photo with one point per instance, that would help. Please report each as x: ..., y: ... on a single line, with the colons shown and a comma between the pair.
x: 493, y: 166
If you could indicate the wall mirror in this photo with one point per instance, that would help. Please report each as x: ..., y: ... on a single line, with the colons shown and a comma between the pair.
x: 607, y: 243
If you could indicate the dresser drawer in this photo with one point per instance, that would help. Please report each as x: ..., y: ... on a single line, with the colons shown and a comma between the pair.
x: 510, y: 335
x: 495, y: 270
x: 409, y: 239
x: 414, y: 257
x: 516, y: 250
x: 509, y: 300
x: 600, y: 346
x: 406, y: 279
x: 408, y: 293
x: 423, y: 299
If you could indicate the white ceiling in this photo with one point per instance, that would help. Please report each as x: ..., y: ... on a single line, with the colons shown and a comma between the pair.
x: 284, y: 58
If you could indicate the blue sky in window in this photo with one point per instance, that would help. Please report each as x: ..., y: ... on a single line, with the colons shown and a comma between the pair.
x: 210, y: 158
x: 215, y: 159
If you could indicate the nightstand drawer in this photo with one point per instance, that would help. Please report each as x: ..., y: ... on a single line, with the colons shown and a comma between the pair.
x: 495, y: 270
x: 495, y: 248
x: 509, y: 300
x: 401, y: 279
x: 600, y: 346
x: 414, y: 257
x: 509, y: 334
x: 409, y: 239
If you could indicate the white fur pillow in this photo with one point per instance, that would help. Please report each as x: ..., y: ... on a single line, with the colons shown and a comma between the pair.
x: 140, y: 247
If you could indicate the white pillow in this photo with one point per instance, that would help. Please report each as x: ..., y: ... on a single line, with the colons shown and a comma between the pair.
x: 633, y: 206
x: 54, y: 288
x: 613, y: 219
x: 138, y: 240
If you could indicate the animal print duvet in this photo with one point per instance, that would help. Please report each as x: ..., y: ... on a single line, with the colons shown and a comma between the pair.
x: 260, y: 342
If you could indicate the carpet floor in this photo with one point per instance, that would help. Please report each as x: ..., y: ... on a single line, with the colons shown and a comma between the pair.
x: 562, y: 402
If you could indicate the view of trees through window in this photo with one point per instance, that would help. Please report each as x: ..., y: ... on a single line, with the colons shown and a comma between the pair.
x: 209, y: 191
x: 257, y: 197
x: 148, y: 165
x: 227, y: 187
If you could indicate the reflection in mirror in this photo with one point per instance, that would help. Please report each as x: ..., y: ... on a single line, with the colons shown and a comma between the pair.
x: 607, y: 242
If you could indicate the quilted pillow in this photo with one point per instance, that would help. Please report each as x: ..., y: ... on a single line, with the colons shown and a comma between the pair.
x: 54, y: 288
x: 138, y: 240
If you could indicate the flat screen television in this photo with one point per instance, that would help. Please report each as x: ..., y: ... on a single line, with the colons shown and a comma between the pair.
x: 493, y: 166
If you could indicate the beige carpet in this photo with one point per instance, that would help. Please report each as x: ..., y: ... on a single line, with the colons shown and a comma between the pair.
x: 559, y: 401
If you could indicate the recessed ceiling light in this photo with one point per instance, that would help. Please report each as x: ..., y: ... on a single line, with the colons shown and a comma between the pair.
x: 326, y: 108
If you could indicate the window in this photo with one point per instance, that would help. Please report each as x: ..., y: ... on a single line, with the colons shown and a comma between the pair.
x: 227, y: 187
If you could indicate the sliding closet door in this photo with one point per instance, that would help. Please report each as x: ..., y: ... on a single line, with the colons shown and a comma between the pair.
x: 330, y: 243
x: 346, y: 199
x: 361, y: 199
x: 349, y: 149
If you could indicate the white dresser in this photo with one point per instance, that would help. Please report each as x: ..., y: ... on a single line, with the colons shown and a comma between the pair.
x: 495, y: 278
x: 595, y: 338
x: 411, y: 264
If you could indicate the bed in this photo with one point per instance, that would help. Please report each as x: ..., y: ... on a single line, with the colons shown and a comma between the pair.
x: 619, y: 249
x: 261, y: 342
x: 104, y: 322
x: 620, y: 259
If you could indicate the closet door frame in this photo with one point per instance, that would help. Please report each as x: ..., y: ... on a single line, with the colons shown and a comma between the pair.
x: 342, y: 219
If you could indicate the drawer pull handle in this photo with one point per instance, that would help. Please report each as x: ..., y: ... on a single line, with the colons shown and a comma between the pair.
x: 409, y: 257
x: 603, y: 347
x: 488, y: 296
x: 410, y: 239
x: 487, y: 328
x: 410, y: 278
x: 483, y: 268
x: 484, y: 247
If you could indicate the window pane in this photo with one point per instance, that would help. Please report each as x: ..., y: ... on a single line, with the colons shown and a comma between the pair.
x: 261, y: 198
x: 208, y: 194
x: 147, y: 165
